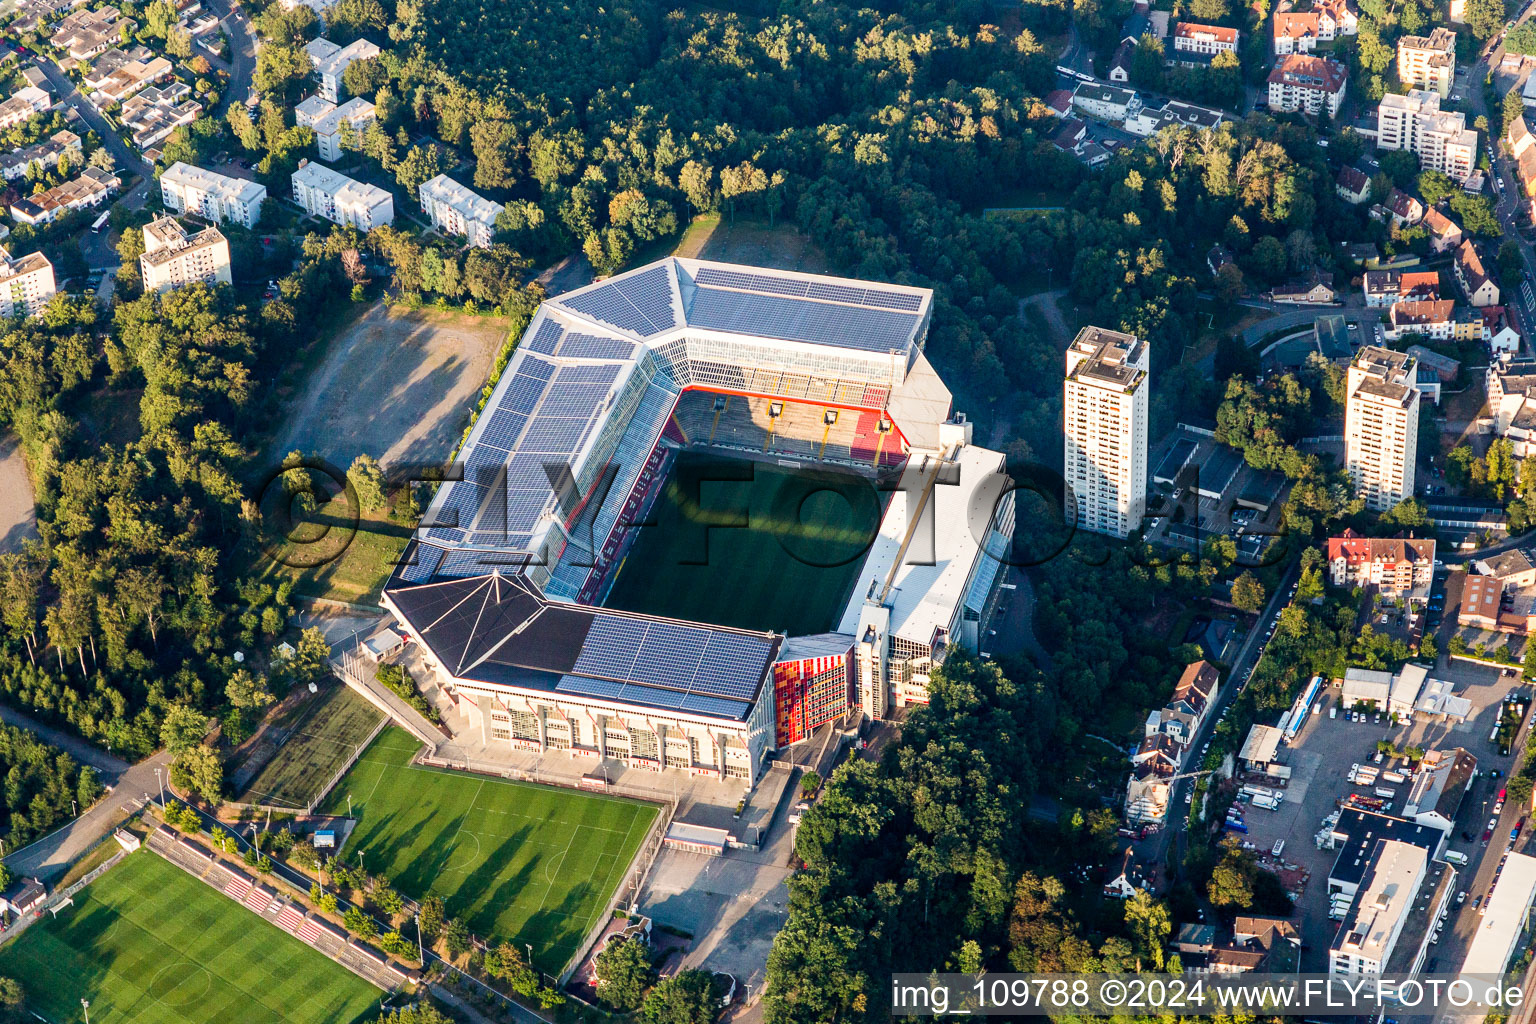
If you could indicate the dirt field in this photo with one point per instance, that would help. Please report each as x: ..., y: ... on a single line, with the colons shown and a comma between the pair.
x: 712, y: 237
x: 397, y: 385
x: 18, y: 516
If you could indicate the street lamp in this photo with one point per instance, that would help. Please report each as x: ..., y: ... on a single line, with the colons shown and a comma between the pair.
x: 85, y: 1004
x: 161, y: 782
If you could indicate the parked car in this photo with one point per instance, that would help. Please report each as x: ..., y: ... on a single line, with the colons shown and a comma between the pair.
x: 1461, y: 897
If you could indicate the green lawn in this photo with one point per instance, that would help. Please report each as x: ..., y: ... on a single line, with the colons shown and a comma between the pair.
x: 521, y: 862
x: 337, y: 723
x: 787, y: 563
x: 147, y: 943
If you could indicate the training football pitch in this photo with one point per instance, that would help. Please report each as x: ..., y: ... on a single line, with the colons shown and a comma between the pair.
x: 147, y: 943
x: 749, y: 544
x: 334, y: 726
x: 518, y: 862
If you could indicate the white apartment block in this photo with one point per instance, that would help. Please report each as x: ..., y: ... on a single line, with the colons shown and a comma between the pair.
x: 215, y: 197
x: 455, y: 210
x: 336, y: 197
x: 1439, y: 138
x: 1381, y: 425
x: 173, y: 258
x: 1428, y: 62
x: 326, y: 118
x: 1105, y: 430
x: 26, y: 284
x: 1370, y: 931
x: 331, y: 63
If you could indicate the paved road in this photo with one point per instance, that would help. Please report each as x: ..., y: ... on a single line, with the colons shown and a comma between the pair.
x: 50, y: 856
x: 65, y: 89
x: 242, y: 52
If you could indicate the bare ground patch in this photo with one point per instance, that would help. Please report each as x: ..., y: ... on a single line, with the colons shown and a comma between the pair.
x: 18, y: 512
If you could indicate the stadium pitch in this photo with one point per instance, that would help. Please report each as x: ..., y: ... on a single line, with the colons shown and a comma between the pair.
x: 750, y: 544
x: 334, y: 726
x: 147, y: 943
x: 517, y: 861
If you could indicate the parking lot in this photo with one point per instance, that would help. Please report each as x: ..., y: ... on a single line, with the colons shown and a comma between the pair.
x: 1320, y: 759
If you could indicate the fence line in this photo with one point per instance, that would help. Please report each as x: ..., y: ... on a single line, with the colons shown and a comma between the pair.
x: 347, y: 765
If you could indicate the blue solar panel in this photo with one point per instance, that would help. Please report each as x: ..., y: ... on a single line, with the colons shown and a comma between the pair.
x: 611, y: 307
x: 652, y: 695
x: 587, y: 374
x: 589, y: 687
x: 590, y: 346
x: 573, y: 399
x: 459, y: 504
x: 484, y: 464
x: 539, y: 369
x: 610, y: 647
x: 905, y: 301
x: 773, y: 316
x: 523, y: 393
x: 524, y: 508
x: 502, y: 429
x: 472, y: 563
x: 733, y: 666
x: 555, y: 434
x: 651, y: 294
x: 717, y: 706
x: 427, y: 559
x: 669, y: 663
x: 546, y: 338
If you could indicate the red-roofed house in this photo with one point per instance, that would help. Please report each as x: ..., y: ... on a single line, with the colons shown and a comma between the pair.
x: 1394, y: 564
x: 1499, y: 331
x: 1060, y: 102
x: 1353, y: 185
x: 1433, y: 318
x: 1311, y: 84
x: 1297, y: 31
x: 1472, y: 274
x: 1444, y: 233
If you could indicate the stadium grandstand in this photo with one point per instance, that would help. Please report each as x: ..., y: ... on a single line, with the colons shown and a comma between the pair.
x: 506, y: 583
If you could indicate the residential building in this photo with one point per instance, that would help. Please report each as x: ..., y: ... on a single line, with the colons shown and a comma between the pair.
x: 1314, y: 289
x: 1353, y: 185
x: 1120, y: 64
x: 455, y: 210
x: 216, y: 197
x: 23, y: 105
x: 1388, y: 287
x: 1481, y: 597
x: 327, y: 120
x: 1432, y: 318
x: 1512, y: 397
x: 117, y: 75
x: 1152, y: 116
x: 1104, y: 102
x: 92, y: 188
x: 157, y: 111
x: 1471, y: 274
x: 1401, y: 208
x: 1196, y: 44
x: 1217, y: 257
x: 1394, y: 565
x: 1381, y: 425
x: 1499, y: 332
x: 1365, y: 941
x: 45, y: 154
x: 1296, y: 32
x: 331, y: 63
x: 1522, y: 146
x: 1070, y: 135
x: 1105, y: 410
x: 1309, y: 84
x: 1185, y: 712
x: 84, y: 34
x: 173, y: 258
x: 1428, y: 62
x: 1258, y: 944
x: 26, y: 284
x: 1435, y: 370
x: 1439, y: 138
x: 336, y: 197
x: 318, y: 6
x: 1444, y: 233
x: 1437, y: 790
x: 1128, y: 879
x: 1059, y: 102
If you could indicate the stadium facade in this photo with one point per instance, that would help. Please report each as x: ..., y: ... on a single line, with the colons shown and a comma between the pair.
x: 504, y: 583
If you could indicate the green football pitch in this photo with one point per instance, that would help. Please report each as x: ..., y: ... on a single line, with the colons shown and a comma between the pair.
x: 146, y: 943
x: 750, y: 544
x: 519, y: 862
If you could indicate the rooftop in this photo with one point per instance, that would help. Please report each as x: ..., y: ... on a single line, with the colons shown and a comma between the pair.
x: 1391, y: 882
x: 1499, y: 928
x: 239, y: 189
x: 1109, y: 357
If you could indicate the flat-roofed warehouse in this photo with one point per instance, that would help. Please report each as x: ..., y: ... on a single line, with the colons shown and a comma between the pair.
x: 503, y: 583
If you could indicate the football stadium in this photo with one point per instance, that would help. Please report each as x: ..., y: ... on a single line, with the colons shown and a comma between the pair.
x: 707, y: 509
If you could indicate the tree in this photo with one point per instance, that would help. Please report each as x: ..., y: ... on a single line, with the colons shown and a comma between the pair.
x: 419, y: 1013
x: 685, y: 998
x: 1248, y: 592
x: 12, y: 1001
x: 367, y: 479
x: 809, y: 783
x: 623, y: 971
x: 130, y: 246
x: 246, y: 692
x: 1513, y: 109
x: 1231, y: 885
x: 456, y: 937
x: 1486, y: 17
x: 200, y: 769
x: 431, y: 918
x: 1151, y: 924
x: 182, y: 728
